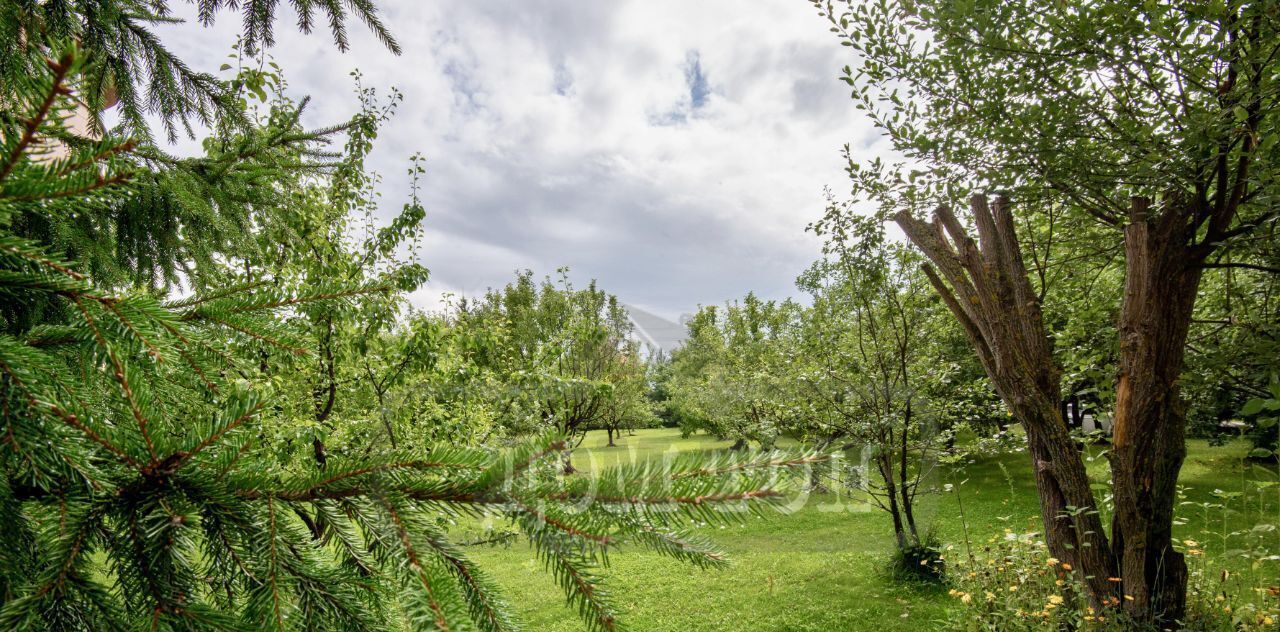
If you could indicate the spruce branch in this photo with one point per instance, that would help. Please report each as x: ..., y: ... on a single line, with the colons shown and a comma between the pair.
x: 416, y: 564
x: 61, y: 69
x: 543, y: 517
x: 217, y: 435
x: 255, y: 334
x: 29, y: 251
x: 121, y: 378
x: 487, y: 608
x: 219, y: 294
x: 10, y: 362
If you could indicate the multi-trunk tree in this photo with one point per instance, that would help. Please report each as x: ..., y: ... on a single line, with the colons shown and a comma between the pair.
x: 1157, y: 121
x: 869, y: 358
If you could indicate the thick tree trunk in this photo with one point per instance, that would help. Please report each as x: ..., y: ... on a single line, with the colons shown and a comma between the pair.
x: 1074, y: 530
x: 1162, y: 278
x: 988, y: 291
x: 610, y: 432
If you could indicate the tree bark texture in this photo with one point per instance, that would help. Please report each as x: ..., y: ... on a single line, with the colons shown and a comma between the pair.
x: 1162, y: 277
x: 986, y: 287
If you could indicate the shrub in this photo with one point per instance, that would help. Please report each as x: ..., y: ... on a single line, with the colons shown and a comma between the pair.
x: 1012, y: 583
x: 921, y: 562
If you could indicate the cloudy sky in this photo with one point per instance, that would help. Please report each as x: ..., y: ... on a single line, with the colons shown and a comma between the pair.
x: 673, y: 150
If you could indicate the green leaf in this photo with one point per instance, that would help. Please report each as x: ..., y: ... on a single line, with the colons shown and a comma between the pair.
x: 1253, y: 407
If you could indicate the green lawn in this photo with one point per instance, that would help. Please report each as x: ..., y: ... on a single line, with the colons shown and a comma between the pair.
x: 819, y: 568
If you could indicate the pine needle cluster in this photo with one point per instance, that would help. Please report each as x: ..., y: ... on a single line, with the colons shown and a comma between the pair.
x: 131, y: 65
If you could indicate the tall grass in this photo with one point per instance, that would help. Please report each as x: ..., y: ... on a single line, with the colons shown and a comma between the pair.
x: 1231, y: 541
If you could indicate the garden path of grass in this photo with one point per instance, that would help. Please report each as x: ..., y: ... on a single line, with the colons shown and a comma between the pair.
x: 818, y: 569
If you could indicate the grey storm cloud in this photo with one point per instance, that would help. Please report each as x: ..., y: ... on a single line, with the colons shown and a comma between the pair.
x: 674, y: 151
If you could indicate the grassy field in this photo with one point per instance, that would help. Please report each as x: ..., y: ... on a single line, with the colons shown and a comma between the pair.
x: 821, y: 567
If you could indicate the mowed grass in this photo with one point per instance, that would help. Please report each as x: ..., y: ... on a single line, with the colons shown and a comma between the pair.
x: 821, y: 566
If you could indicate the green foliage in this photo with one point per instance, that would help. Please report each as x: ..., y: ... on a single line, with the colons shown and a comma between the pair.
x: 342, y: 396
x: 1234, y: 342
x: 872, y: 358
x: 554, y: 356
x: 1089, y: 102
x: 182, y: 216
x: 1264, y: 413
x: 873, y: 364
x: 733, y: 377
x: 127, y: 63
x: 142, y: 486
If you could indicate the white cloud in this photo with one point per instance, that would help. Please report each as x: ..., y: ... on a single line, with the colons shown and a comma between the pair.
x: 561, y: 132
